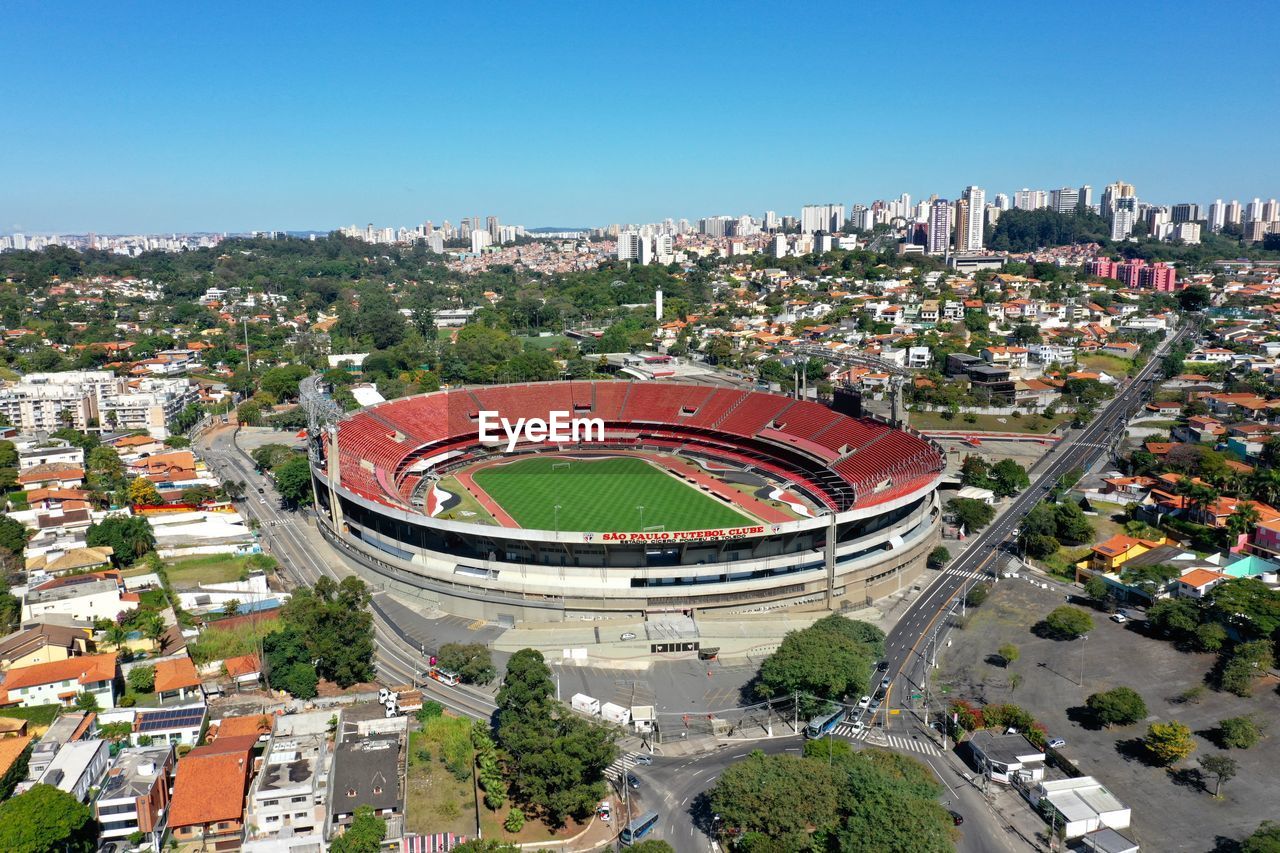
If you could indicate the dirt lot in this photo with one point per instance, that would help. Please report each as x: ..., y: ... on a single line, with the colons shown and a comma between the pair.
x: 1171, y: 809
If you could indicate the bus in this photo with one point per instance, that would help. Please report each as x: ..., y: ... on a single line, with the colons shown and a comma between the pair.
x: 443, y: 676
x: 824, y: 723
x: 639, y: 828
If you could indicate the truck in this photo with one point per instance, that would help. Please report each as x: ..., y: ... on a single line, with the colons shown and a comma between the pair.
x: 615, y: 713
x: 584, y: 704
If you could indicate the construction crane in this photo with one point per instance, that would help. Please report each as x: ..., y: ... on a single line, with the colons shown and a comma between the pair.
x: 898, y: 376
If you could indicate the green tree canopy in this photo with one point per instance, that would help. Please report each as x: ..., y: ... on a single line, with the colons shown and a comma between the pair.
x: 130, y: 537
x: 293, y: 481
x: 1067, y: 622
x: 44, y: 819
x: 364, y: 835
x: 1120, y: 706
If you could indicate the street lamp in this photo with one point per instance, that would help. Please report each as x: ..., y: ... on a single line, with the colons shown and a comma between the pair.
x: 1083, y: 637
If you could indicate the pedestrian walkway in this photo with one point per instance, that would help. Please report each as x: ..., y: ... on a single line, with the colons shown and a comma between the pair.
x: 973, y: 575
x: 623, y: 765
x: 908, y: 744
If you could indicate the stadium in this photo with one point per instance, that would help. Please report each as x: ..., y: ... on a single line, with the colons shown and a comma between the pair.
x: 570, y: 500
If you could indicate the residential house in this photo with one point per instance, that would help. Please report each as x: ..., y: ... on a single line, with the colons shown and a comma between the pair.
x: 1112, y: 554
x: 208, y: 794
x: 1014, y: 358
x: 60, y: 561
x: 52, y: 452
x: 59, y: 475
x: 135, y: 795
x: 44, y: 642
x: 1197, y: 582
x: 366, y: 772
x: 68, y: 728
x: 87, y: 598
x: 59, y: 682
x: 78, y: 767
x: 244, y: 671
x: 176, y: 726
x: 1005, y: 757
x: 177, y: 681
x: 1122, y: 349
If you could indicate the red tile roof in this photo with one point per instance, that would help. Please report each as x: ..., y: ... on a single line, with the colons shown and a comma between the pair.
x: 86, y: 670
x: 176, y: 674
x: 243, y: 665
x: 211, y: 783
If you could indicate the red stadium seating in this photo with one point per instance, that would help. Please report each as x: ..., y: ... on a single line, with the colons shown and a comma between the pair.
x: 843, y: 461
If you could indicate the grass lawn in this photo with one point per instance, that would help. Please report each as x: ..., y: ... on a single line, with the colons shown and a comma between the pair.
x: 543, y: 343
x: 1108, y: 522
x: 1039, y: 424
x: 466, y: 504
x: 40, y: 715
x: 210, y: 568
x: 1113, y: 364
x: 435, y: 799
x: 601, y: 494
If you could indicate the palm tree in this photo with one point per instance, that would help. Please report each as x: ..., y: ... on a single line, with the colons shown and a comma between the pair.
x: 116, y: 634
x: 1264, y: 485
x: 1243, y: 520
x: 153, y: 628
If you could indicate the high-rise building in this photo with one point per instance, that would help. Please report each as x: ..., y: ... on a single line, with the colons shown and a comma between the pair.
x: 1185, y: 212
x: 493, y: 227
x: 1187, y: 232
x: 821, y: 217
x: 1234, y: 213
x: 1025, y: 199
x: 480, y: 239
x: 1270, y: 211
x: 1124, y: 213
x: 1086, y: 196
x: 939, y: 226
x: 971, y: 239
x: 1217, y: 215
x: 770, y: 220
x: 960, y: 216
x: 1064, y: 200
x: 715, y: 226
x: 1002, y: 201
x: 1116, y: 191
x: 1254, y: 211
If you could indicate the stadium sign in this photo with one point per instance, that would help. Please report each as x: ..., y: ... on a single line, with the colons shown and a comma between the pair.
x: 683, y: 535
x: 559, y: 427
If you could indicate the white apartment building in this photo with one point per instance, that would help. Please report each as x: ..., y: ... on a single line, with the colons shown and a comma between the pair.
x: 78, y: 767
x: 287, y: 800
x: 92, y: 400
x: 135, y: 795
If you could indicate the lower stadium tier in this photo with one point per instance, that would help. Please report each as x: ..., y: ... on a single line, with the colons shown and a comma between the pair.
x: 564, y: 500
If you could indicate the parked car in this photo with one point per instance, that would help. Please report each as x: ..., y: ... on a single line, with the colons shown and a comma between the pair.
x: 1057, y: 743
x: 1119, y: 618
x: 605, y: 811
x: 957, y: 818
x: 864, y: 702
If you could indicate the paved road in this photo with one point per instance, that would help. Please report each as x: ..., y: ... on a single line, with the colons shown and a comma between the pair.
x: 305, y: 556
x: 908, y: 641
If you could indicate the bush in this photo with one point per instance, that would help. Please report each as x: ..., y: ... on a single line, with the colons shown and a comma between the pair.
x: 1239, y: 732
x: 430, y: 710
x: 515, y: 820
x: 1169, y: 743
x: 977, y: 594
x: 1067, y: 623
x: 1120, y: 706
x: 938, y: 557
x: 142, y: 679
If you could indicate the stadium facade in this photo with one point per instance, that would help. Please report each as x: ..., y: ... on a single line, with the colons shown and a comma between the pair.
x: 863, y: 496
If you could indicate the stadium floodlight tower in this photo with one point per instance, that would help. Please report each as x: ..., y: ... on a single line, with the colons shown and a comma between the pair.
x: 898, y: 376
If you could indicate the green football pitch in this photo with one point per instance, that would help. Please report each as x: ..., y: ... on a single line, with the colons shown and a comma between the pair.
x: 601, y: 495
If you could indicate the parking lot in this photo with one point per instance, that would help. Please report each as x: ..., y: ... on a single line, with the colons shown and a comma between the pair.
x: 1171, y: 811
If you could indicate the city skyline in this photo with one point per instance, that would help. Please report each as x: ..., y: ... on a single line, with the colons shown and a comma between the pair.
x: 583, y: 116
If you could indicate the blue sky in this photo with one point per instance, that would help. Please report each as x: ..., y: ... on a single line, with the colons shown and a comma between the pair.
x: 127, y: 116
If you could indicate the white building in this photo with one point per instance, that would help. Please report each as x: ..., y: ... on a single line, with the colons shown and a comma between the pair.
x: 84, y: 598
x: 78, y: 767
x: 1081, y: 805
x: 92, y: 400
x: 135, y: 795
x: 286, y: 804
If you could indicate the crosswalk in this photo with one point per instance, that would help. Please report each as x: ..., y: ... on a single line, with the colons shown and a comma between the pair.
x: 620, y: 767
x: 909, y: 744
x: 964, y: 574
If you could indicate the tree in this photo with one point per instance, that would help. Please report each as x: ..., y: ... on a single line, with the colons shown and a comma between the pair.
x: 86, y: 702
x: 142, y: 679
x: 1009, y: 478
x: 1009, y: 654
x: 13, y: 535
x: 282, y: 382
x: 1178, y: 616
x: 1067, y: 622
x: 129, y: 537
x: 1243, y: 520
x: 1239, y: 732
x: 471, y: 661
x: 1248, y: 604
x: 1073, y: 525
x: 1222, y: 767
x: 45, y: 818
x: 331, y: 623
x: 938, y: 557
x: 1097, y: 588
x: 293, y: 481
x: 651, y: 845
x: 973, y: 514
x: 977, y: 594
x: 515, y: 820
x: 1248, y: 662
x: 143, y: 492
x: 1265, y: 839
x: 1120, y: 706
x: 1211, y: 636
x: 1197, y: 297
x: 780, y: 796
x: 364, y: 835
x: 816, y: 663
x: 1169, y: 743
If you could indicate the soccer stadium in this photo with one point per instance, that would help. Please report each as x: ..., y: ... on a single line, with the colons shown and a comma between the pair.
x: 569, y: 500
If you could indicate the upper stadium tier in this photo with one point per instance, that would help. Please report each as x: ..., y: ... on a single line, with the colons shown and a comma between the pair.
x: 836, y: 462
